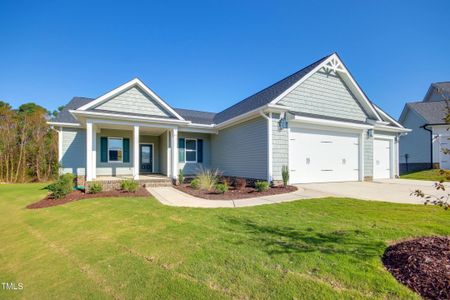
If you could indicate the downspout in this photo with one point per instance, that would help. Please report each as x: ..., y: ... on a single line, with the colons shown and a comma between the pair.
x: 431, y: 144
x: 269, y: 145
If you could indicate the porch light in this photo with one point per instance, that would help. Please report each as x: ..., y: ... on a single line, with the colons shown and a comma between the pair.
x: 283, y: 123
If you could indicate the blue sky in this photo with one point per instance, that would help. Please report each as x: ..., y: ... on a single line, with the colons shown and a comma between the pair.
x: 208, y: 55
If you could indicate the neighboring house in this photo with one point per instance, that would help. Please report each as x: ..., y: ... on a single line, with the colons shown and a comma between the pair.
x: 422, y: 148
x: 317, y: 121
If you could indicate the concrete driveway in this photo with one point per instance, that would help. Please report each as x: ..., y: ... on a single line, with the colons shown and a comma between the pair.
x: 389, y: 190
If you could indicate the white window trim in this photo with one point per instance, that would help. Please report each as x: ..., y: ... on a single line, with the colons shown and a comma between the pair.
x: 186, y: 150
x: 115, y: 161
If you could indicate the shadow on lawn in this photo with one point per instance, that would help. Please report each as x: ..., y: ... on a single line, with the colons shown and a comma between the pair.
x: 283, y: 239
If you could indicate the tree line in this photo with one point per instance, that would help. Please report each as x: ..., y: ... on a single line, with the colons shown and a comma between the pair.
x: 28, y: 145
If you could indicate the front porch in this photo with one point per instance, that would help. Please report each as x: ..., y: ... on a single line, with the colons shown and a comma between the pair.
x: 152, y: 180
x: 145, y: 153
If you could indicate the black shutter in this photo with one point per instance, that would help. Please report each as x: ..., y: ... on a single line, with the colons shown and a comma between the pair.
x: 126, y: 150
x: 200, y: 150
x: 103, y: 149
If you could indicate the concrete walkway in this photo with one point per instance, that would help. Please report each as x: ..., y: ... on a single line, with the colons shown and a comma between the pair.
x: 389, y: 190
x: 173, y: 197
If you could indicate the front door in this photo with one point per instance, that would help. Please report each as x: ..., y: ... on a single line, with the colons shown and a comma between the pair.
x: 146, y: 158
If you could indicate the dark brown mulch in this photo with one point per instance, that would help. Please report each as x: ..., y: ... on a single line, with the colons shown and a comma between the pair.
x: 233, y: 193
x: 422, y: 264
x: 79, y: 195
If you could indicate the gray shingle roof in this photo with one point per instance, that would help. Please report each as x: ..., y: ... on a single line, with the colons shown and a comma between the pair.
x: 433, y: 112
x: 196, y: 116
x: 65, y: 116
x: 264, y: 96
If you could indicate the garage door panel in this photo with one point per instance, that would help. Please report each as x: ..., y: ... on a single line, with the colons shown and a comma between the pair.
x: 321, y: 156
x: 381, y: 159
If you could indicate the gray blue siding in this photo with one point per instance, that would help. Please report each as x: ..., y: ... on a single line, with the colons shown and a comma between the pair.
x: 324, y: 94
x: 241, y: 150
x: 192, y: 168
x: 417, y: 142
x: 280, y: 148
x: 368, y: 155
x: 73, y: 151
x: 134, y: 101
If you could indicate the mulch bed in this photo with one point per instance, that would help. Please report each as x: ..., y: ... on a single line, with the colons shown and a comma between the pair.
x: 79, y: 195
x: 233, y: 193
x: 422, y: 264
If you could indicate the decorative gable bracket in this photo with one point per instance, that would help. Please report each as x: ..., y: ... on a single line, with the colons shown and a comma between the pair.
x: 334, y: 65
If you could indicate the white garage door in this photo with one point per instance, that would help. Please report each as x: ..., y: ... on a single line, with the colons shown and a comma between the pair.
x: 444, y: 157
x: 321, y: 156
x: 381, y: 159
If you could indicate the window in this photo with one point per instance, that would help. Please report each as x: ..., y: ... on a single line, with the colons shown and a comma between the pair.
x: 115, y: 149
x: 191, y: 150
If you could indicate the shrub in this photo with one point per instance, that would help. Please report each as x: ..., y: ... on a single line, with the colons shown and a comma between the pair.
x: 262, y: 186
x: 208, y: 178
x: 180, y: 176
x: 240, y: 183
x: 62, y: 187
x: 221, y: 188
x: 95, y: 188
x: 129, y: 185
x: 285, y: 175
x: 195, y: 184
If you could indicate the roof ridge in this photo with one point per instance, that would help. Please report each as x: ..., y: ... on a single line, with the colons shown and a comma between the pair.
x: 274, y: 84
x: 202, y: 111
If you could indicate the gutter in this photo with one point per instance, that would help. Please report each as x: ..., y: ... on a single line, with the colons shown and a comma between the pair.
x: 431, y: 143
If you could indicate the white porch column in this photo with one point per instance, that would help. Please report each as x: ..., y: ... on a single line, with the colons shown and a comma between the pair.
x: 60, y: 149
x: 94, y: 152
x: 174, y: 172
x: 88, y: 151
x: 136, y: 153
x: 168, y: 154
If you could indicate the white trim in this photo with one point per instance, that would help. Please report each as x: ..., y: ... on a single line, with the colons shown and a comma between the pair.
x: 64, y: 124
x: 60, y: 145
x: 153, y: 155
x: 94, y: 151
x: 114, y: 161
x: 134, y: 82
x: 361, y: 155
x: 198, y: 130
x: 392, y: 159
x: 196, y: 151
x: 390, y: 128
x: 388, y: 117
x: 269, y: 146
x: 136, y: 148
x: 174, y: 153
x: 334, y: 57
x: 88, y: 151
x: 126, y: 117
x: 168, y: 153
x: 331, y: 123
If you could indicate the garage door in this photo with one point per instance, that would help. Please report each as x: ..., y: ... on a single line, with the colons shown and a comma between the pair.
x: 444, y: 156
x: 322, y: 156
x: 381, y: 159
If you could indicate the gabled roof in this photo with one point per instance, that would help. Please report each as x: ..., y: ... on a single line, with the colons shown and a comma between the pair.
x: 443, y: 87
x: 196, y: 116
x: 265, y: 96
x: 433, y: 112
x: 65, y: 116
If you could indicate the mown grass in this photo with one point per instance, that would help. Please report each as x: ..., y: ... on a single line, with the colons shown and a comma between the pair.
x: 431, y: 175
x: 128, y: 248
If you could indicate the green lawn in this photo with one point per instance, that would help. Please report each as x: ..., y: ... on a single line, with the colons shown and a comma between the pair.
x: 137, y: 248
x: 432, y: 175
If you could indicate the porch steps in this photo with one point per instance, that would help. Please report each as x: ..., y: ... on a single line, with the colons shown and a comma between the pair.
x: 159, y: 182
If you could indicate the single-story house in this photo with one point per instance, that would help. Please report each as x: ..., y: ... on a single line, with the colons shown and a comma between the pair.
x: 317, y: 121
x: 424, y: 148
